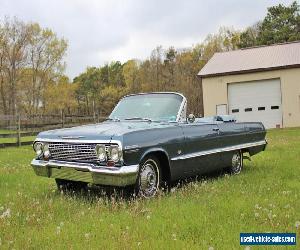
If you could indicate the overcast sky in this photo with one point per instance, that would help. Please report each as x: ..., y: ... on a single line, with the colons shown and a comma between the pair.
x: 101, y: 31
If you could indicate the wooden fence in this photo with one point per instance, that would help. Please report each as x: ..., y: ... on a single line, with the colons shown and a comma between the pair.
x: 20, y: 127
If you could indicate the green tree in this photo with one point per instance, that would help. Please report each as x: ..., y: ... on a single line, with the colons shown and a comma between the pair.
x: 281, y: 24
x: 169, y: 68
x: 89, y: 85
x: 248, y: 38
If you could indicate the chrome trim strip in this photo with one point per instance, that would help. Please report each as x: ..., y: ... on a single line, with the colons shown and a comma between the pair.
x: 155, y: 92
x: 218, y: 150
x: 72, y: 137
x: 80, y: 141
x: 179, y: 117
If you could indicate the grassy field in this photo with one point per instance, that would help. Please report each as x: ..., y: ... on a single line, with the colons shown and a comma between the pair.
x: 6, y: 131
x: 14, y: 139
x: 207, y: 214
x: 23, y: 139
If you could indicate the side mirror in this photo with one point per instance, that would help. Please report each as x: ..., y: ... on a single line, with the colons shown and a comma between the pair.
x: 191, y: 118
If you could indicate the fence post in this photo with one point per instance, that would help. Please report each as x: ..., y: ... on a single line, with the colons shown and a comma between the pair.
x: 19, y: 131
x: 94, y: 113
x: 62, y: 118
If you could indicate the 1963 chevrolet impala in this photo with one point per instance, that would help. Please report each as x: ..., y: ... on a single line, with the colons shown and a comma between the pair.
x: 147, y: 141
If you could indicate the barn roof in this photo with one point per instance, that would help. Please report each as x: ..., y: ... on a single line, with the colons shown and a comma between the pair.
x: 285, y: 55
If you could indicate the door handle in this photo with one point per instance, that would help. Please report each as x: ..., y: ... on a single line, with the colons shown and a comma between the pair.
x: 216, y: 129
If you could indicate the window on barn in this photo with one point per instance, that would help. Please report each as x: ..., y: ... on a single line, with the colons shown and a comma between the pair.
x: 274, y: 107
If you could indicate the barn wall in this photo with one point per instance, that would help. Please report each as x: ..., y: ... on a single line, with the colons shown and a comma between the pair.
x: 215, y: 92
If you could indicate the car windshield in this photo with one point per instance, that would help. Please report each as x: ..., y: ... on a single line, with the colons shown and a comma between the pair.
x: 154, y: 107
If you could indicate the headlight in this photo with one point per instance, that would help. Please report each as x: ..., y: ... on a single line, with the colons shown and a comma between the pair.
x: 46, y: 151
x: 114, y: 153
x: 38, y: 148
x: 100, y: 152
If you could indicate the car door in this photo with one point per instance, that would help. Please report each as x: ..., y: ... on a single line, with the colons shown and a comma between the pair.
x: 230, y: 135
x: 200, y: 142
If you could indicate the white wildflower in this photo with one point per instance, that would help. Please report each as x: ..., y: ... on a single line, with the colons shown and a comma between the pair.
x: 148, y: 217
x: 174, y: 236
x: 87, y: 235
x: 247, y: 248
x: 256, y: 215
x: 139, y: 243
x: 210, y: 248
x: 257, y: 206
x: 5, y: 214
x: 297, y: 224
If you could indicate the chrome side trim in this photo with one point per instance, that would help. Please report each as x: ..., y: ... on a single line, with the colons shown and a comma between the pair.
x: 218, y: 150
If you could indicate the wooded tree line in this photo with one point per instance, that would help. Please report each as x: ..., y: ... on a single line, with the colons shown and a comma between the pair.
x: 32, y: 79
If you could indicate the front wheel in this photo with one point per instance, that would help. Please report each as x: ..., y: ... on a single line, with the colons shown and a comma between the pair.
x: 149, y: 178
x: 236, y: 163
x: 67, y: 185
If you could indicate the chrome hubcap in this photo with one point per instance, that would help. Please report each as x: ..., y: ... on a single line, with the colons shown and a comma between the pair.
x: 236, y: 163
x: 149, y: 179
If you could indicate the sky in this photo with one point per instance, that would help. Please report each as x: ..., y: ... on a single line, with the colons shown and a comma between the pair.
x: 99, y: 32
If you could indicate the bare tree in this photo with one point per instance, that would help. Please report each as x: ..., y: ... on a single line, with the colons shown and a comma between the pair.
x: 14, y: 58
x: 45, y: 52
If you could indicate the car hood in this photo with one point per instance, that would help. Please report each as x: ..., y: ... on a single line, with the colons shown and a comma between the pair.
x: 102, y: 131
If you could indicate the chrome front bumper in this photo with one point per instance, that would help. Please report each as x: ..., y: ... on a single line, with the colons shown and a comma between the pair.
x: 111, y: 176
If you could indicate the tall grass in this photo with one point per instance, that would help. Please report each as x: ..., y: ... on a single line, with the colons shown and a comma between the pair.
x: 204, y: 214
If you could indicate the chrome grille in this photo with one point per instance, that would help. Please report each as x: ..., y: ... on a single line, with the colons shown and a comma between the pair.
x: 73, y: 152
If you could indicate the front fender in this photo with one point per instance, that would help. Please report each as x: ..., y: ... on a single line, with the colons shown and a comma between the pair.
x: 153, y: 150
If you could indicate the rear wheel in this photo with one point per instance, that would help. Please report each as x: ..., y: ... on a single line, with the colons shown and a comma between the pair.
x: 236, y: 163
x: 67, y: 185
x: 149, y: 178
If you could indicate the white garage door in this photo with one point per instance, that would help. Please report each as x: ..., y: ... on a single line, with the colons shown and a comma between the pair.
x: 256, y: 101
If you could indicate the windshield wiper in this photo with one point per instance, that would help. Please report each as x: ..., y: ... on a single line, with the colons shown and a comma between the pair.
x: 113, y: 119
x: 138, y: 119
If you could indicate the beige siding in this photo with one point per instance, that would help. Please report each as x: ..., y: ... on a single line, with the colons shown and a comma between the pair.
x: 215, y: 92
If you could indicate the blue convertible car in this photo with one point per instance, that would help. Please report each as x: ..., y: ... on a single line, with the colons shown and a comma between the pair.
x: 146, y: 141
